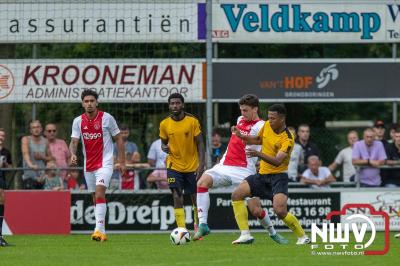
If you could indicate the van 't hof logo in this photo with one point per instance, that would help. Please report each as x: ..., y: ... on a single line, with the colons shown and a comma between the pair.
x: 7, y: 82
x: 335, y: 237
x: 326, y: 75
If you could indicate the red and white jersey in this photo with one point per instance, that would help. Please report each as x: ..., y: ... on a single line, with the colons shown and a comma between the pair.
x: 235, y: 154
x: 96, y: 135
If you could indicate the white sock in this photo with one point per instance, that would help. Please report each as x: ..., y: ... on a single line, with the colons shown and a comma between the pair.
x: 267, y: 224
x: 244, y: 232
x: 100, y: 214
x: 203, y: 205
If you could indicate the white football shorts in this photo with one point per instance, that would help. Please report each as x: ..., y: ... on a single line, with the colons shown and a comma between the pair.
x: 98, y: 177
x: 227, y: 175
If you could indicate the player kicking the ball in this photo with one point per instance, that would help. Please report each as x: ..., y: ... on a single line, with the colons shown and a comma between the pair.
x: 272, y: 180
x: 233, y: 168
x: 97, y: 129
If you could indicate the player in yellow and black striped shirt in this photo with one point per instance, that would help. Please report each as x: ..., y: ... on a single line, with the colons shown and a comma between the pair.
x: 272, y: 180
x: 181, y: 138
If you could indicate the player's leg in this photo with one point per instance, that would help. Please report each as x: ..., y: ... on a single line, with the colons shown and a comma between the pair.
x: 280, y: 208
x: 241, y: 214
x: 256, y: 210
x: 279, y: 183
x: 190, y: 187
x: 203, y: 205
x: 103, y: 178
x: 175, y: 183
x: 3, y: 242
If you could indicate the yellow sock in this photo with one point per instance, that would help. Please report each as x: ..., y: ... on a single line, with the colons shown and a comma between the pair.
x: 241, y: 214
x: 294, y: 225
x: 195, y: 215
x: 180, y: 217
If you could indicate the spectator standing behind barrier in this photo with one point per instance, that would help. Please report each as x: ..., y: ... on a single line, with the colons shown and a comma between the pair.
x: 218, y: 148
x: 379, y: 129
x: 35, y: 152
x: 316, y: 175
x: 157, y: 158
x: 5, y: 162
x: 393, y: 128
x: 130, y: 180
x: 59, y: 150
x: 345, y: 158
x: 293, y: 166
x: 308, y: 148
x: 52, y: 178
x: 369, y: 154
x: 392, y: 178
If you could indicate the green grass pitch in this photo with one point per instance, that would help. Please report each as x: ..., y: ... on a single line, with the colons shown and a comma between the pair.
x: 156, y: 249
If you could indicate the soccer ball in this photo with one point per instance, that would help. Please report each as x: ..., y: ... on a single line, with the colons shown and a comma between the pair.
x: 180, y: 236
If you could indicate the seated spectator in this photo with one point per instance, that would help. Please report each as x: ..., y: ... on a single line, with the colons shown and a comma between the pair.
x: 308, y: 148
x: 130, y: 180
x: 316, y: 175
x: 59, y: 149
x: 52, y: 178
x: 157, y: 158
x: 74, y: 182
x: 345, y: 159
x: 293, y: 166
x: 392, y: 178
x: 369, y: 154
x: 36, y: 153
x: 218, y: 148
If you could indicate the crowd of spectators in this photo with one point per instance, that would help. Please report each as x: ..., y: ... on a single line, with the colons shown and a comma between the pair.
x: 369, y: 161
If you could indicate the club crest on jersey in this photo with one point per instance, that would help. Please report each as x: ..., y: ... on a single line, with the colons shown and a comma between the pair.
x: 97, y: 126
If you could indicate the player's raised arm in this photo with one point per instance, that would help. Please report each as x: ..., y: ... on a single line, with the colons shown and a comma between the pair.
x: 250, y: 140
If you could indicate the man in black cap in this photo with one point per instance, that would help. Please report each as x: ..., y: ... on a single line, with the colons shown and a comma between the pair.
x: 379, y: 129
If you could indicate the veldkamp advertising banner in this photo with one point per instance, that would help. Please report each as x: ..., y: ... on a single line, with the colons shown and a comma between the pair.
x: 352, y: 21
x: 154, y: 212
x: 307, y: 80
x: 101, y: 21
x: 116, y: 80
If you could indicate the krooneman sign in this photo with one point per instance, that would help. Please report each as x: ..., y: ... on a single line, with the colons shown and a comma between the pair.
x: 307, y: 80
x: 129, y: 80
x: 306, y: 21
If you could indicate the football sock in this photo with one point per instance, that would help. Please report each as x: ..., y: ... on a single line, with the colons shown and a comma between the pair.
x: 203, y: 204
x: 1, y: 216
x: 293, y: 224
x: 195, y: 215
x: 180, y: 217
x: 265, y: 221
x: 241, y: 215
x: 100, y: 214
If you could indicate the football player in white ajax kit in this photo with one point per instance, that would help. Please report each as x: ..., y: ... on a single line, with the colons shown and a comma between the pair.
x: 97, y: 129
x: 233, y: 168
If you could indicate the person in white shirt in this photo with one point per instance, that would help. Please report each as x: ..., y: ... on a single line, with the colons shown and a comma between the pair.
x: 294, y: 159
x: 157, y: 158
x: 316, y: 175
x: 344, y: 158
